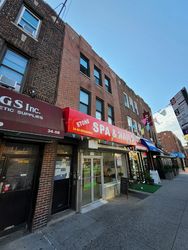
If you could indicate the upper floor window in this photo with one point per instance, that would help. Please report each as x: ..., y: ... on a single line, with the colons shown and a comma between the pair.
x: 1, y: 3
x: 131, y: 104
x: 29, y: 22
x: 136, y: 108
x: 84, y: 102
x: 84, y: 65
x: 139, y: 129
x: 110, y: 114
x: 99, y: 109
x: 135, y: 127
x: 107, y: 84
x: 126, y: 100
x: 97, y: 75
x: 12, y: 70
x: 129, y: 121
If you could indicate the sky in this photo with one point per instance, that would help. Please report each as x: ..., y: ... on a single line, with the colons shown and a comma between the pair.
x: 144, y: 41
x: 166, y: 120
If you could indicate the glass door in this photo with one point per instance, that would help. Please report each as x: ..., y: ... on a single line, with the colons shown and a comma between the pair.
x: 97, y: 182
x: 86, y: 182
x: 91, y: 179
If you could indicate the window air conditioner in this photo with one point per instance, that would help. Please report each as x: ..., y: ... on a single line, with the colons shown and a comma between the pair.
x: 7, y: 82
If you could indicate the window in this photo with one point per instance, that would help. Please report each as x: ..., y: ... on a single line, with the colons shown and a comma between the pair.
x: 84, y: 102
x: 110, y: 114
x: 114, y: 167
x: 84, y: 65
x: 129, y: 121
x: 126, y: 100
x: 131, y: 104
x: 136, y: 108
x: 134, y: 126
x: 12, y: 70
x: 1, y: 3
x: 99, y: 109
x: 97, y: 75
x: 139, y: 129
x: 29, y: 22
x: 107, y: 84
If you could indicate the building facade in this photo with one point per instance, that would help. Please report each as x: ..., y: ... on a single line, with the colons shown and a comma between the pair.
x: 30, y: 55
x: 169, y: 142
x: 172, y: 145
x: 108, y: 146
x: 137, y: 118
x: 65, y: 136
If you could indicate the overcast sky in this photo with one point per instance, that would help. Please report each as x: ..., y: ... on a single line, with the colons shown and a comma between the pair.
x: 144, y: 41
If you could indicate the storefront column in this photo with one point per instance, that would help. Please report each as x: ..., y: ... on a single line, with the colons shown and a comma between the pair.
x: 45, y: 189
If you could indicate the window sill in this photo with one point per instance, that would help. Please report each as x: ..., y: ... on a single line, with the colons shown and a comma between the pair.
x: 34, y: 38
x: 85, y: 75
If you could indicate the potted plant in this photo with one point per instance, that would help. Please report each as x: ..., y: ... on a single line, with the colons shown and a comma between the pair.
x: 148, y: 178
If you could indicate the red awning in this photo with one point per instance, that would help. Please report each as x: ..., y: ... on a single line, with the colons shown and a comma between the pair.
x: 86, y: 125
x: 21, y: 113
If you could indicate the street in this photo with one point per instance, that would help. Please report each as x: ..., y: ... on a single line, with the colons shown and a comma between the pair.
x: 157, y: 221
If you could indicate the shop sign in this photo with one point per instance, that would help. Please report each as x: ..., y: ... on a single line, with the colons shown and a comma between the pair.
x: 85, y: 125
x: 20, y: 113
x: 180, y: 105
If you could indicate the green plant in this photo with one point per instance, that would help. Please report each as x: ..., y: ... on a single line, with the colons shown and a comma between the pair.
x: 148, y: 178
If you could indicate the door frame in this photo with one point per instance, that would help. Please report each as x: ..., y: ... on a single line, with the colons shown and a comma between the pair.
x: 81, y: 175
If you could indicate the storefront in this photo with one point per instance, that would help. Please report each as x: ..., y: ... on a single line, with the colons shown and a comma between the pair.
x: 28, y: 138
x: 102, y: 156
x: 153, y: 151
x: 138, y: 158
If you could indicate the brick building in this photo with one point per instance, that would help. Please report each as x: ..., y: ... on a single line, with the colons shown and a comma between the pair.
x: 170, y: 142
x: 137, y: 118
x: 49, y: 73
x: 30, y: 55
x: 87, y: 84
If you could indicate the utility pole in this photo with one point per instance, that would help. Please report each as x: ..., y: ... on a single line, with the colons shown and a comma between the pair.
x: 63, y: 6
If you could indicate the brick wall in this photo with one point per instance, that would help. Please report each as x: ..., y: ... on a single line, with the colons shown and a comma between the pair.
x: 71, y: 79
x: 45, y: 190
x: 142, y: 106
x: 170, y: 142
x: 44, y: 53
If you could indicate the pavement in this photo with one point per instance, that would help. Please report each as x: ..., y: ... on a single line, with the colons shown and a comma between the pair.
x: 157, y: 221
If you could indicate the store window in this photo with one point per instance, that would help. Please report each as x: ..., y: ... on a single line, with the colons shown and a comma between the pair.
x: 110, y: 114
x: 63, y: 162
x: 84, y: 65
x: 12, y: 70
x: 107, y: 84
x: 84, y: 102
x: 97, y: 75
x: 99, y: 109
x: 136, y: 168
x: 29, y: 22
x: 114, y: 166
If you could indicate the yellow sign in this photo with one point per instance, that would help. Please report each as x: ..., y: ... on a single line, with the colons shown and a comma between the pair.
x: 186, y: 137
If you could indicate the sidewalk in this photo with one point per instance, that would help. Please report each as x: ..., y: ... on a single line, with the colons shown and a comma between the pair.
x: 158, y: 221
